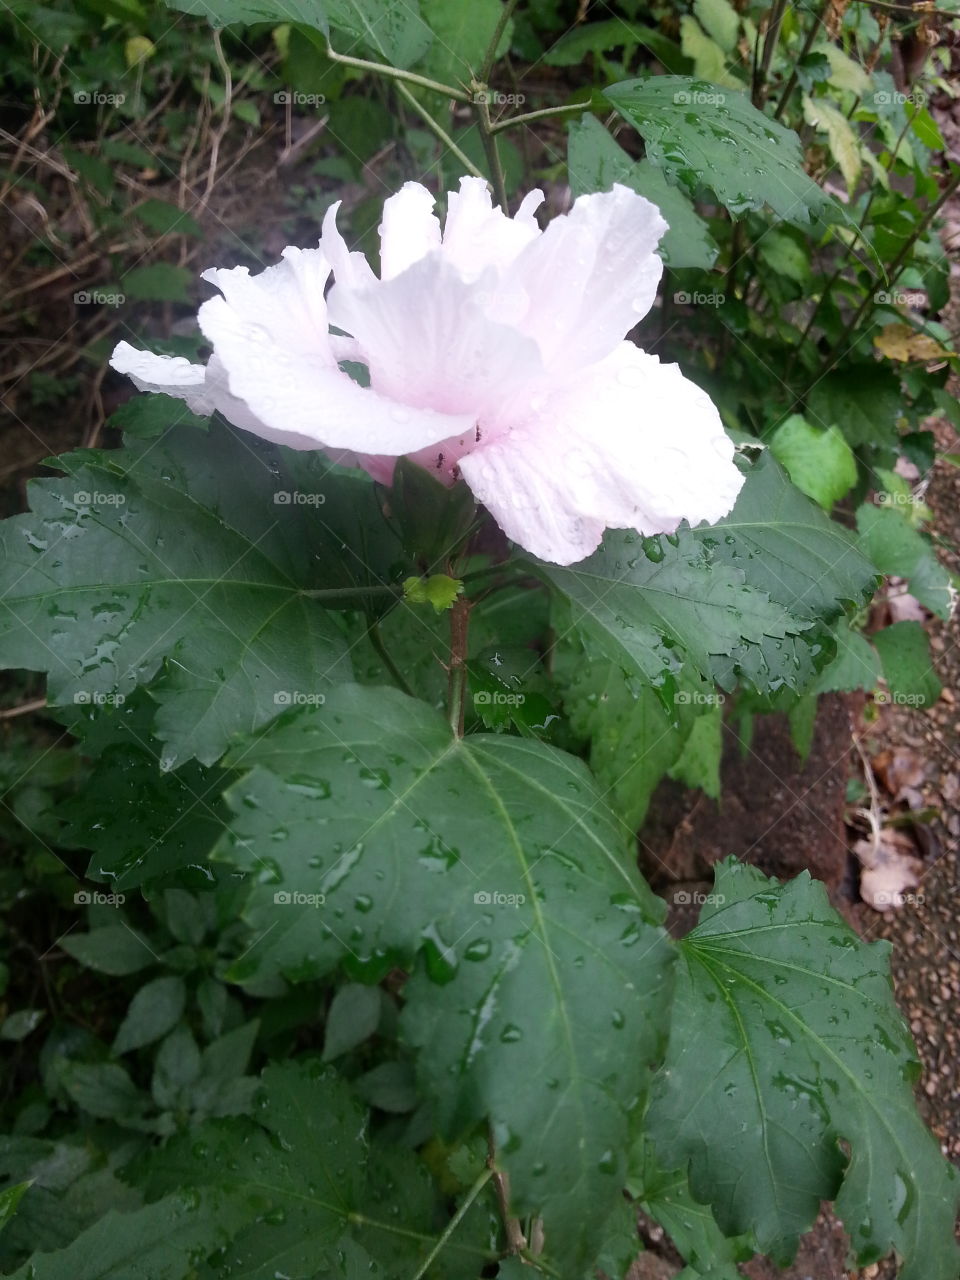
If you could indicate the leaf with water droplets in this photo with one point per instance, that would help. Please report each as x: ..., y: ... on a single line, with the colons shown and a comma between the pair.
x: 705, y: 136
x: 768, y: 1083
x: 218, y: 556
x: 490, y: 867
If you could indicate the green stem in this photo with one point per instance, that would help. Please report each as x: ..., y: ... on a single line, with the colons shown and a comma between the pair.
x: 381, y: 69
x: 457, y: 691
x: 537, y: 115
x: 439, y: 130
x: 791, y: 84
x: 490, y: 57
x: 498, y: 181
x: 349, y: 593
x: 376, y: 639
x: 455, y: 1221
x: 759, y: 90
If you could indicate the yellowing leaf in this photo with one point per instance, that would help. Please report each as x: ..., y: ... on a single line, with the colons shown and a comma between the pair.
x: 709, y: 60
x: 844, y: 72
x: 901, y: 342
x: 843, y: 141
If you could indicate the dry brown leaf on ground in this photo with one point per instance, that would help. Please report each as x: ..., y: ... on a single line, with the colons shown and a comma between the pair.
x: 889, y: 868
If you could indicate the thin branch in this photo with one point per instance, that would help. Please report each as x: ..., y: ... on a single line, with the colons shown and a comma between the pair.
x: 381, y: 69
x: 439, y: 130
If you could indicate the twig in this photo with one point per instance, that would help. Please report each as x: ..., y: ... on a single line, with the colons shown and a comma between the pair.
x: 454, y: 1222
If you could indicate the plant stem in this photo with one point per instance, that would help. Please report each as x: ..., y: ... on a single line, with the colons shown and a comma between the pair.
x: 482, y: 108
x: 381, y: 69
x: 348, y: 593
x: 791, y: 84
x: 439, y: 130
x: 759, y: 89
x: 457, y: 688
x: 455, y: 1221
x: 537, y: 115
x: 515, y: 1237
x: 490, y: 57
x: 376, y: 639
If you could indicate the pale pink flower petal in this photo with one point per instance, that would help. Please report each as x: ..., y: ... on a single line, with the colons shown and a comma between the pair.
x: 477, y: 234
x: 629, y: 444
x: 409, y: 230
x: 271, y: 333
x: 590, y: 277
x: 169, y: 375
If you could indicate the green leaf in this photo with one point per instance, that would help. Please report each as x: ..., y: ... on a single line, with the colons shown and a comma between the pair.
x: 863, y: 401
x: 788, y: 547
x: 595, y: 162
x: 305, y: 1172
x: 895, y: 547
x: 614, y: 33
x: 158, y: 282
x: 856, y: 665
x: 691, y: 1226
x: 438, y: 590
x: 908, y: 669
x: 142, y: 823
x: 705, y: 136
x: 698, y: 764
x: 495, y: 859
x: 104, y: 1089
x: 390, y: 1086
x: 785, y: 1043
x: 709, y: 60
x: 629, y: 594
x: 178, y: 553
x: 154, y: 1010
x: 150, y: 416
x: 17, y: 1026
x: 462, y: 35
x: 353, y: 1017
x: 158, y: 1242
x: 10, y: 1198
x: 222, y: 13
x: 114, y: 949
x: 820, y: 463
x: 391, y: 29
x: 721, y: 21
x: 167, y: 219
x: 844, y: 146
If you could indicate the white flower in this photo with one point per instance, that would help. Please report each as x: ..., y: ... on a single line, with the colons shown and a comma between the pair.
x: 495, y: 352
